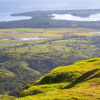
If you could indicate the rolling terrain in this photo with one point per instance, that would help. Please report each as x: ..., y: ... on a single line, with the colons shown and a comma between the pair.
x: 30, y: 67
x: 23, y: 62
x: 80, y: 81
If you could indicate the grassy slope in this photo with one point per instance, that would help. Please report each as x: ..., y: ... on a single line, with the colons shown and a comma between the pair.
x: 22, y: 65
x: 6, y: 97
x: 80, y: 81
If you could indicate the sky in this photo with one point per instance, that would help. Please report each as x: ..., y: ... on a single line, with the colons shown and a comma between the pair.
x: 18, y: 6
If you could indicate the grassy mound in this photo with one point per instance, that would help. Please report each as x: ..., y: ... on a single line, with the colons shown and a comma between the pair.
x: 80, y: 81
x: 79, y: 71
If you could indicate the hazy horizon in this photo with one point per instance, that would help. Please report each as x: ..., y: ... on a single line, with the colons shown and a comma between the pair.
x: 19, y: 6
x: 8, y: 7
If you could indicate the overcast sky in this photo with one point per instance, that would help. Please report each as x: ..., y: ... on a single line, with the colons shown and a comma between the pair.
x: 15, y: 6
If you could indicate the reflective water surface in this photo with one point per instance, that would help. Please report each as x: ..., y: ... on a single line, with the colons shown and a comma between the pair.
x: 95, y: 17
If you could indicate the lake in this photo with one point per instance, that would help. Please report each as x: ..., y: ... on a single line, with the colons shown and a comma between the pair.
x: 24, y: 39
x: 96, y: 33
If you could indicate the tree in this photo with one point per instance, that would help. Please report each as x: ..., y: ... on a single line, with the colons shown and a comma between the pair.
x: 26, y: 86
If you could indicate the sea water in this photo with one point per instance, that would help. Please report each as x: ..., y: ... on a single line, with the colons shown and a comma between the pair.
x: 5, y: 17
x: 95, y: 17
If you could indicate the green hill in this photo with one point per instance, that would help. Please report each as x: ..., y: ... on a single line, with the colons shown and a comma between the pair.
x: 80, y: 81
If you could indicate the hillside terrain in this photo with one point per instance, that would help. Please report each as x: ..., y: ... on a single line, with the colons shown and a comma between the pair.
x: 24, y: 62
x: 43, y: 19
x: 80, y: 81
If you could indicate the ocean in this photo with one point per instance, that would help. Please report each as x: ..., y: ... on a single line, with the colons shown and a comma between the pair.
x: 5, y: 17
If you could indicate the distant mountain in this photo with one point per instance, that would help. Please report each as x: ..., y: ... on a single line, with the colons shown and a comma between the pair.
x: 41, y: 19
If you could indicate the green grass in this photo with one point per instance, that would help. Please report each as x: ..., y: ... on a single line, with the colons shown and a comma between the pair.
x: 24, y: 29
x: 69, y: 73
x: 64, y: 41
x: 80, y: 81
x: 9, y: 43
x: 6, y: 97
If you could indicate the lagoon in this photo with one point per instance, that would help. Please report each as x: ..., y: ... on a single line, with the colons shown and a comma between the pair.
x: 95, y: 17
x: 5, y: 17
